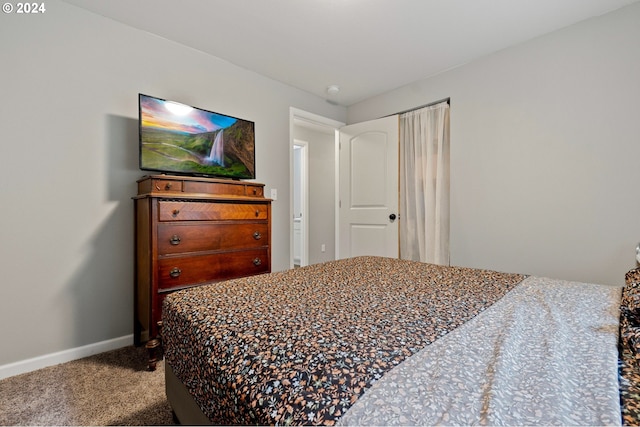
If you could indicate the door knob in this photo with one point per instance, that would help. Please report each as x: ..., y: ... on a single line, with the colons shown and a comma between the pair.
x: 392, y: 217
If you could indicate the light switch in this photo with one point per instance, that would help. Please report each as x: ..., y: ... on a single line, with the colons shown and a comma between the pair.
x: 274, y: 194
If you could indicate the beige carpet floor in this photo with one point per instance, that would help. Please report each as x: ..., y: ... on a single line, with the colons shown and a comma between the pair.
x: 112, y: 388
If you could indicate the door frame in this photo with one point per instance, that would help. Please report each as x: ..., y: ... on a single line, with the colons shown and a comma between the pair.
x: 304, y: 200
x: 297, y: 115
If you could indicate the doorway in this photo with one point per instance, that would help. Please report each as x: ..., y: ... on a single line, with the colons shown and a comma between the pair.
x: 313, y: 236
x: 369, y: 236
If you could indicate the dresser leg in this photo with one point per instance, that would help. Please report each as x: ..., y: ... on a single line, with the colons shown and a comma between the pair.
x: 153, y: 347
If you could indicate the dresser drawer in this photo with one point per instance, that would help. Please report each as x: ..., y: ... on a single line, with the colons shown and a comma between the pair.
x: 178, y: 272
x: 159, y: 185
x: 203, y: 211
x: 195, y: 237
x: 214, y: 188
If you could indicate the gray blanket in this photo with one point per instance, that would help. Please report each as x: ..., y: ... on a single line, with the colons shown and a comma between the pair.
x: 545, y: 354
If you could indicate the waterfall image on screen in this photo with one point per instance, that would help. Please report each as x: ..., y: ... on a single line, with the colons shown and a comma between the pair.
x: 217, y: 149
x: 177, y: 138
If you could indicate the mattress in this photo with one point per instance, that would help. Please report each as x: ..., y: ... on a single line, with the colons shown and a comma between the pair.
x: 373, y: 340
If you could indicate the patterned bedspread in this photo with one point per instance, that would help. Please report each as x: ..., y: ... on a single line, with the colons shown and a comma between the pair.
x: 301, y: 346
x: 629, y: 347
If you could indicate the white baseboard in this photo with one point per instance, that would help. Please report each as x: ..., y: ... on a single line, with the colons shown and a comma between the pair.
x: 40, y: 362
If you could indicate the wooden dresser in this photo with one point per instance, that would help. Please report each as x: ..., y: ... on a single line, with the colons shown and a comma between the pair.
x: 192, y: 231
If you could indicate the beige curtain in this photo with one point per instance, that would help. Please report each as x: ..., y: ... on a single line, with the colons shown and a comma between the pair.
x: 424, y: 184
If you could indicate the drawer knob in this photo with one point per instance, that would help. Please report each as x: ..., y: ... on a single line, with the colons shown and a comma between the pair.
x: 175, y: 212
x: 167, y: 187
x: 257, y: 235
x: 257, y: 213
x: 257, y: 261
x: 175, y: 240
x: 175, y: 272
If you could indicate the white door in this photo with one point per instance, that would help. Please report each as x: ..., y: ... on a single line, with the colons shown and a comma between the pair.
x: 368, y: 189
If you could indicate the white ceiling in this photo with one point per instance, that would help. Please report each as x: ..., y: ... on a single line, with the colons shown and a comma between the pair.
x: 366, y: 47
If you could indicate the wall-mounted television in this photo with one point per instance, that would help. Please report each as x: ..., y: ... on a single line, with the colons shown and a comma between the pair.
x: 180, y: 139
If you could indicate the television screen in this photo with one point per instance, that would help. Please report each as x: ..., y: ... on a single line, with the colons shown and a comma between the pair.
x: 180, y: 139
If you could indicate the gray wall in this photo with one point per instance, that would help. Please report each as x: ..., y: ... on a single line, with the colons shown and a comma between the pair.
x: 545, y: 142
x: 68, y: 161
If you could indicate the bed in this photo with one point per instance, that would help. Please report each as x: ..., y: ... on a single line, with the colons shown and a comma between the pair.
x: 380, y: 341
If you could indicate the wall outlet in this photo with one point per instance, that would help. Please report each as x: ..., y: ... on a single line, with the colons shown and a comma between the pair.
x: 274, y: 194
